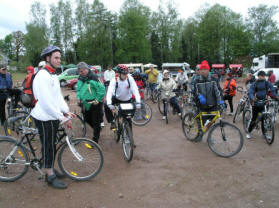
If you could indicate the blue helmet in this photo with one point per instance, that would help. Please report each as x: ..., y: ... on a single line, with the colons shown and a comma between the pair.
x: 49, y: 50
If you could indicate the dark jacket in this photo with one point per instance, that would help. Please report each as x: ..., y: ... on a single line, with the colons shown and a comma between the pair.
x: 5, y: 83
x: 260, y: 90
x: 208, y: 87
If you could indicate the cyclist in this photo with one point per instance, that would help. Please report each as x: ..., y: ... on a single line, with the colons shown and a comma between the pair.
x: 5, y: 84
x: 229, y: 91
x: 257, y: 94
x: 120, y: 90
x: 91, y: 94
x: 152, y: 78
x: 249, y: 81
x: 181, y: 80
x: 207, y: 93
x: 49, y: 110
x: 108, y: 76
x: 167, y: 86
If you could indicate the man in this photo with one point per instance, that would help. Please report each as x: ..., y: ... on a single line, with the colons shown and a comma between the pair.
x: 181, y: 79
x: 49, y: 110
x: 271, y: 77
x: 258, y: 92
x: 197, y: 74
x: 152, y: 78
x: 91, y: 94
x: 250, y: 79
x: 207, y: 92
x: 40, y: 66
x: 108, y: 76
x: 120, y: 90
x: 5, y: 84
x: 131, y: 70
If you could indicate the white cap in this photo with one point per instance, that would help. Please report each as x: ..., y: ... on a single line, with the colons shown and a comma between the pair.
x: 42, y: 64
x: 165, y: 71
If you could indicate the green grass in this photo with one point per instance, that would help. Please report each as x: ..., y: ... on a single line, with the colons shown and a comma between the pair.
x: 18, y: 76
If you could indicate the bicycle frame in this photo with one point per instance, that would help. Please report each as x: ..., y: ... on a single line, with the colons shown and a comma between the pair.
x: 199, y: 116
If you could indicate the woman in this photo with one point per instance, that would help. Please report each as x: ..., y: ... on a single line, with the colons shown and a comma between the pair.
x: 229, y: 91
x: 167, y: 86
x: 91, y: 94
x: 5, y: 84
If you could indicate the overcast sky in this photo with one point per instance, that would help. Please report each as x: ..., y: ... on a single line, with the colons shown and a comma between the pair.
x: 14, y: 14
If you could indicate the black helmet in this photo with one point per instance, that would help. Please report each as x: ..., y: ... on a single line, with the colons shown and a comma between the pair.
x: 49, y: 50
x: 26, y: 100
x: 122, y: 69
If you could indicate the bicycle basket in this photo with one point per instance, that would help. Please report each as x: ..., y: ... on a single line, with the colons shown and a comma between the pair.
x: 127, y: 109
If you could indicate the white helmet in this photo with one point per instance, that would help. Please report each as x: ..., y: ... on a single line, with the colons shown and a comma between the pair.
x: 166, y: 71
x: 42, y: 64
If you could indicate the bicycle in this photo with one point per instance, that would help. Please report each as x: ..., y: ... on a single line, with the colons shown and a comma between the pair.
x: 243, y: 104
x: 267, y: 124
x: 143, y: 115
x: 224, y: 139
x: 153, y: 95
x: 74, y: 154
x: 273, y: 108
x: 122, y: 118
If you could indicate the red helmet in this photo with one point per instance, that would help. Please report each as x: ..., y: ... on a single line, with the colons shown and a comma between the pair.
x: 122, y: 69
x: 30, y: 69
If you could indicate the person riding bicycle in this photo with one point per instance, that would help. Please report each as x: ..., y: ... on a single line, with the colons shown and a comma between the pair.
x: 257, y: 94
x: 120, y: 90
x: 152, y: 78
x: 181, y: 80
x: 5, y: 84
x: 49, y: 110
x: 91, y: 93
x: 167, y: 87
x: 207, y: 93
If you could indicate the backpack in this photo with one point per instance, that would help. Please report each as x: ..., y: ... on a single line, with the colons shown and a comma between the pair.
x: 257, y: 89
x: 27, y: 97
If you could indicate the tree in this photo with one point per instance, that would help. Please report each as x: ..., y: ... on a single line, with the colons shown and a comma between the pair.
x: 6, y: 46
x: 18, y: 43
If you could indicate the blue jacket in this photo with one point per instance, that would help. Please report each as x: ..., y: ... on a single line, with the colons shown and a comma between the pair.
x: 5, y: 83
x: 260, y: 89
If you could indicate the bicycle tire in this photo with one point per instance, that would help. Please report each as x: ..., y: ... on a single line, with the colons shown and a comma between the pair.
x: 85, y: 169
x: 160, y: 105
x: 154, y: 97
x: 187, y: 123
x: 271, y: 109
x: 127, y: 141
x: 144, y: 119
x: 246, y: 119
x: 6, y: 146
x: 78, y: 127
x: 220, y: 136
x: 237, y: 112
x: 267, y: 124
x: 117, y: 131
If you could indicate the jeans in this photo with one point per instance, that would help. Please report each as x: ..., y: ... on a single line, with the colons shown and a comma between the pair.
x: 173, y: 103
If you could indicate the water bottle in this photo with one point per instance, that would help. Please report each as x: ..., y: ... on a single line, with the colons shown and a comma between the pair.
x: 206, y: 123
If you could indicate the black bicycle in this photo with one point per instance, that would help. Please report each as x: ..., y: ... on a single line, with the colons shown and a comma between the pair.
x: 78, y: 158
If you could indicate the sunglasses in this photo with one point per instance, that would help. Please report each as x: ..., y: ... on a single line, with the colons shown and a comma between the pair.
x: 4, y: 69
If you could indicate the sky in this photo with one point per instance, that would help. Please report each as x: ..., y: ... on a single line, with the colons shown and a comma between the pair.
x: 14, y: 14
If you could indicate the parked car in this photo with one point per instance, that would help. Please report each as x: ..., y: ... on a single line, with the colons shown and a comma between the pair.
x: 68, y: 74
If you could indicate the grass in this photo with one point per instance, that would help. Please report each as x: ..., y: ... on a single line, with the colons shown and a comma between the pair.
x: 18, y: 76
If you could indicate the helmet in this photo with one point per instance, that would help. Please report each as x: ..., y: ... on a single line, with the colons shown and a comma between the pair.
x: 42, y: 64
x: 49, y: 50
x: 122, y: 69
x: 26, y: 100
x: 30, y: 69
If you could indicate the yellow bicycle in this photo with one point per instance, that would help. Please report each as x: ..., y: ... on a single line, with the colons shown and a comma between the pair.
x: 224, y: 139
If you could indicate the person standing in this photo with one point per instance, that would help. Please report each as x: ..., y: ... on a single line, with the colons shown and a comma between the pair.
x: 152, y: 78
x: 181, y: 80
x: 108, y: 76
x: 49, y: 110
x: 271, y: 77
x: 91, y: 94
x: 5, y: 84
x: 229, y: 91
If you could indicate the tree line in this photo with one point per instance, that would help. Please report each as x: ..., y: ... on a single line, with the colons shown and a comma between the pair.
x: 92, y: 33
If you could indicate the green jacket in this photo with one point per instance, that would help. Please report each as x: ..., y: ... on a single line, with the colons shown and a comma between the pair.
x: 90, y: 90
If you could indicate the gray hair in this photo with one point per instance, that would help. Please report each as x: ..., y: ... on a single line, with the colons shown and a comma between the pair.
x: 82, y: 65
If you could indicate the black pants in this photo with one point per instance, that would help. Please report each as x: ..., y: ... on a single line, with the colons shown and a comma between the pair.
x: 2, y: 110
x: 47, y: 132
x: 94, y: 117
x: 230, y: 100
x: 255, y: 111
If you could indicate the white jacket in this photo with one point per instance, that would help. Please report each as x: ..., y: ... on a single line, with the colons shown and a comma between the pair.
x: 123, y: 92
x: 181, y: 78
x: 109, y: 75
x: 50, y: 102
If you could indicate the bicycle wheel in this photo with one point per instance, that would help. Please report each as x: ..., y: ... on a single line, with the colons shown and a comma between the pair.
x: 142, y: 116
x: 89, y: 166
x: 13, y: 129
x: 268, y: 128
x: 225, y: 139
x: 190, y: 126
x: 246, y: 119
x: 127, y: 141
x: 14, y: 160
x: 154, y: 97
x: 272, y: 110
x: 79, y: 127
x: 117, y: 131
x: 160, y: 104
x: 237, y: 112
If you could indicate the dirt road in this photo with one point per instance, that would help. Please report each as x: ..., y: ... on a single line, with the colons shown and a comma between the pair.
x: 167, y: 171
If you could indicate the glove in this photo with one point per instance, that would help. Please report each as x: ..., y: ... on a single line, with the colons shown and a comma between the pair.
x: 138, y: 105
x: 111, y: 107
x: 202, y: 99
x: 222, y: 103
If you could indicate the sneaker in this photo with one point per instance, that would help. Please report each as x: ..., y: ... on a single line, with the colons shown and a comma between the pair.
x: 102, y: 124
x: 58, y: 174
x: 230, y: 114
x: 248, y: 136
x: 55, y: 182
x: 112, y: 125
x: 164, y: 118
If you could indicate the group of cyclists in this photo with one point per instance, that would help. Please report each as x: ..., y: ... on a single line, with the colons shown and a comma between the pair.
x: 125, y: 86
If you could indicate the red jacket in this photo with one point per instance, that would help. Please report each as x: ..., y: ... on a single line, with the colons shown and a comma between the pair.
x: 272, y: 78
x: 140, y: 85
x: 232, y: 87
